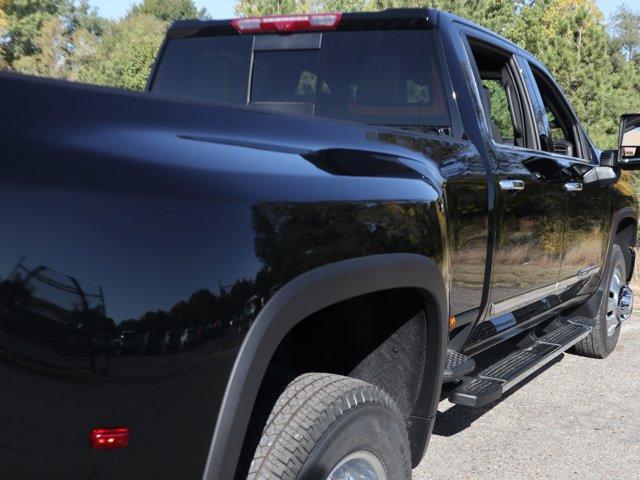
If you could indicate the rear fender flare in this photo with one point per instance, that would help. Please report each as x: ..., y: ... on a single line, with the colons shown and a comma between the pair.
x: 305, y: 295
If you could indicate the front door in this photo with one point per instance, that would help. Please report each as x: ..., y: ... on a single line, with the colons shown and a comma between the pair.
x: 587, y: 201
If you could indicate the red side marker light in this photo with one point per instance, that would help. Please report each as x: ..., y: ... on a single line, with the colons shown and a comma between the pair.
x: 109, y: 438
x: 287, y: 23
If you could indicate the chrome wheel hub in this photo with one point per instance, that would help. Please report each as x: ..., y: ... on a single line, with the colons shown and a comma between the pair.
x: 626, y: 303
x: 619, y: 302
x: 359, y: 466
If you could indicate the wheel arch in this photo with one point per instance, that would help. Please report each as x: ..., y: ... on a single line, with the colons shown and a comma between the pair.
x: 623, y: 218
x: 309, y: 293
x: 626, y: 231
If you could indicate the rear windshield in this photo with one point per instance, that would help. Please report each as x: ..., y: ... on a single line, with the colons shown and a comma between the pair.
x: 376, y: 77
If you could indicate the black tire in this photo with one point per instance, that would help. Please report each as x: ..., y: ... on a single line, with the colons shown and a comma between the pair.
x: 599, y: 344
x: 320, y: 419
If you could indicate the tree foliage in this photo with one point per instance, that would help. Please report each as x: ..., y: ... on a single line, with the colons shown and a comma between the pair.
x: 68, y: 39
x: 3, y: 27
x: 38, y: 34
x: 169, y: 10
x: 625, y: 34
x: 568, y: 36
x: 250, y: 8
x: 125, y: 54
x: 3, y: 20
x: 24, y: 20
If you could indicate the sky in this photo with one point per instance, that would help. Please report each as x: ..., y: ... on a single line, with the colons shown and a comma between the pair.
x: 610, y: 6
x: 224, y: 8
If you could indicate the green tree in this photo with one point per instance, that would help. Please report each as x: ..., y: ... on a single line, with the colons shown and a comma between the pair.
x: 169, y: 10
x: 625, y: 33
x: 24, y: 20
x: 3, y: 18
x: 51, y: 47
x: 125, y: 53
x: 3, y: 26
x: 54, y: 48
x: 249, y: 8
x: 341, y: 6
x: 85, y: 54
x: 86, y: 31
x: 82, y: 16
x: 569, y: 37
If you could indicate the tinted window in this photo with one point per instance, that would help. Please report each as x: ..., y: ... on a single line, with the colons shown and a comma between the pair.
x: 499, y: 94
x: 378, y: 77
x: 285, y: 80
x: 389, y: 78
x: 211, y: 69
x: 562, y: 129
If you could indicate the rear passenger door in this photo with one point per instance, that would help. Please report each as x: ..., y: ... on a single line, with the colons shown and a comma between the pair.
x: 530, y: 199
x: 563, y: 139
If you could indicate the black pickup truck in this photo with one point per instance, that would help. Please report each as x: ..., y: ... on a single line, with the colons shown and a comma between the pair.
x: 279, y: 260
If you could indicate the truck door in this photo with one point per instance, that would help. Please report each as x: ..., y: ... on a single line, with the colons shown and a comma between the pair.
x: 530, y: 198
x: 587, y: 203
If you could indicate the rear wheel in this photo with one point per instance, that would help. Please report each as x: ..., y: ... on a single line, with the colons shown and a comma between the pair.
x: 329, y: 427
x: 604, y: 337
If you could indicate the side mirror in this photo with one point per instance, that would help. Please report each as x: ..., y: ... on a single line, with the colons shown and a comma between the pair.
x: 629, y: 149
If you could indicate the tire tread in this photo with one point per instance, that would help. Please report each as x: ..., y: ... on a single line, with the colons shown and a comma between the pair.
x: 305, y: 411
x: 593, y: 345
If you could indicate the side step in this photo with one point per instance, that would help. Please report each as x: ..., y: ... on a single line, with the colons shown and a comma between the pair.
x: 457, y: 366
x: 491, y: 383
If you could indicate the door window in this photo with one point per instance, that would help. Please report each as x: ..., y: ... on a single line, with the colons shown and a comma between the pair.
x: 501, y: 102
x: 563, y: 134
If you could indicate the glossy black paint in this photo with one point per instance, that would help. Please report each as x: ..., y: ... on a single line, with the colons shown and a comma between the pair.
x: 142, y: 236
x: 124, y: 228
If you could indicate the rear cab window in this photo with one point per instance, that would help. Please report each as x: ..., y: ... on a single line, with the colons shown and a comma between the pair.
x: 216, y: 70
x: 386, y: 77
x: 501, y: 94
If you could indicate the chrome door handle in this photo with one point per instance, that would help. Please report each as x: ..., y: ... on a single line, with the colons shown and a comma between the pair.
x: 573, y: 186
x: 512, y: 185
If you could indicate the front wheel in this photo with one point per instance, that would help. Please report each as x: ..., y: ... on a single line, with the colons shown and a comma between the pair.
x: 613, y: 310
x: 329, y: 427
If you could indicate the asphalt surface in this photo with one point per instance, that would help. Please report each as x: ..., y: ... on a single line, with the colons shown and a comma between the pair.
x: 577, y: 418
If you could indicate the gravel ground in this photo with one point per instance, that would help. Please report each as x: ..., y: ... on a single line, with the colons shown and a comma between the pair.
x: 577, y: 418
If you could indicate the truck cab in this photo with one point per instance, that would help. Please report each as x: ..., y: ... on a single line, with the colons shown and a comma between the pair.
x: 533, y: 208
x: 532, y: 233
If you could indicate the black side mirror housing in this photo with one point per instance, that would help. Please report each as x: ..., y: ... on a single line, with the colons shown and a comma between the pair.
x: 609, y: 158
x: 629, y: 142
